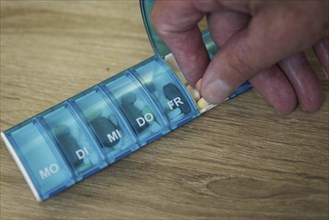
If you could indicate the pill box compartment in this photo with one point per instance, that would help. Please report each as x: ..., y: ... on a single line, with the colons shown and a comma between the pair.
x: 137, y: 107
x: 107, y: 125
x: 39, y: 160
x: 166, y: 91
x: 72, y: 138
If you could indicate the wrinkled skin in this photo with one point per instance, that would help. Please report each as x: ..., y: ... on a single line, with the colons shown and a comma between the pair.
x: 260, y: 41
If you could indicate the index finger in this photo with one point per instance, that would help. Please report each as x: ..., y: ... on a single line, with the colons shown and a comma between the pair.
x: 177, y: 24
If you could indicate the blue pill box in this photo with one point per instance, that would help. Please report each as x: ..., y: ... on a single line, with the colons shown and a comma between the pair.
x: 101, y: 125
x: 78, y: 137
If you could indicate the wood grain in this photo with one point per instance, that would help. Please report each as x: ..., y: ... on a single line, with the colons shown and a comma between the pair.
x: 240, y: 160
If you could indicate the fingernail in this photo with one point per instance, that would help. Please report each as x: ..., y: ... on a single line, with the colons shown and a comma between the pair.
x: 198, y: 84
x: 216, y: 91
x: 326, y: 73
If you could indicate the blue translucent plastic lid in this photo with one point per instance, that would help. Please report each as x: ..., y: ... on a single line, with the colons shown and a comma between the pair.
x: 159, y: 47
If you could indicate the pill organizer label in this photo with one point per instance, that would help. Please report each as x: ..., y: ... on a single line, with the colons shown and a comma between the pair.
x: 175, y: 103
x: 81, y: 153
x: 141, y: 121
x: 114, y: 136
x: 47, y: 171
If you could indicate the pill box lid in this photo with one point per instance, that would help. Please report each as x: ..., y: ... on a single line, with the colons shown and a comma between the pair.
x: 159, y: 47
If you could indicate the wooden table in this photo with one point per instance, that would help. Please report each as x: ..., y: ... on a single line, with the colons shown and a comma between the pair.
x: 241, y: 159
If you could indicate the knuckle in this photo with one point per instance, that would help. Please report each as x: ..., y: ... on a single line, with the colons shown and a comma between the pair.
x: 239, y: 65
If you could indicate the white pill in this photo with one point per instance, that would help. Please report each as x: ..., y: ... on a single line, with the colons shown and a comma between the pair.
x: 202, y: 103
x: 93, y: 113
x: 139, y: 104
x: 155, y: 127
x: 94, y: 158
x: 193, y: 92
x: 144, y: 135
x: 174, y: 113
x: 82, y: 143
x: 75, y: 133
x: 86, y: 160
x: 117, y: 146
x: 104, y: 113
x: 113, y: 119
x: 113, y: 153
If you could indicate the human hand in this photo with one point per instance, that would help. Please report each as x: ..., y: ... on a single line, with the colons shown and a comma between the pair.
x: 260, y: 41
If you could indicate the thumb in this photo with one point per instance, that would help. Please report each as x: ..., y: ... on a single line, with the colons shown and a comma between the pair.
x: 236, y: 62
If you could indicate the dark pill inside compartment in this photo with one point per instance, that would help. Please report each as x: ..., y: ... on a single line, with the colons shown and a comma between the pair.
x: 104, y: 127
x: 151, y: 86
x: 133, y: 113
x: 68, y: 144
x: 172, y: 93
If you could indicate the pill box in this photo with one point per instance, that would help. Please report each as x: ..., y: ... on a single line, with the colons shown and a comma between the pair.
x: 101, y: 125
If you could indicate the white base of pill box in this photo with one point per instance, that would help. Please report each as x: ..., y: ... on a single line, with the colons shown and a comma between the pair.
x: 21, y: 167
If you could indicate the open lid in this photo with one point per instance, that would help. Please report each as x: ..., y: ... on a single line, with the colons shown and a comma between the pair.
x: 159, y: 47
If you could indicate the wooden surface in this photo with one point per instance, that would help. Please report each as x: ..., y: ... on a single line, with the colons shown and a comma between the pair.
x: 240, y: 160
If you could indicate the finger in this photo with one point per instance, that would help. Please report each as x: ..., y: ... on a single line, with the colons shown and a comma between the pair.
x: 224, y: 24
x: 176, y: 23
x: 275, y: 87
x: 270, y: 83
x: 250, y: 51
x: 304, y: 80
x: 321, y: 49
